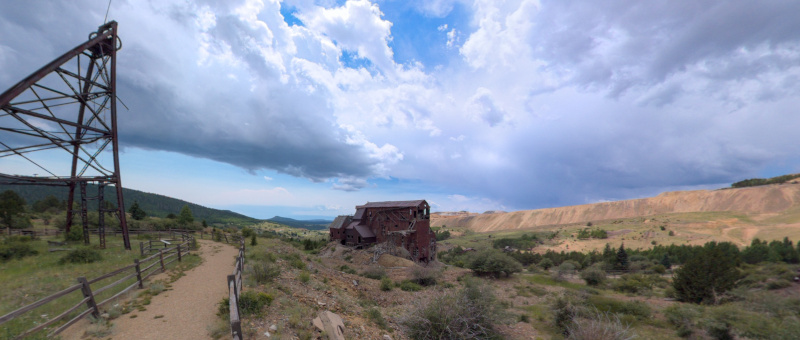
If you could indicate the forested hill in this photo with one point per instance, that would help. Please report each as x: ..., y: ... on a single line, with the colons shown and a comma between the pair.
x: 154, y: 204
x: 305, y: 224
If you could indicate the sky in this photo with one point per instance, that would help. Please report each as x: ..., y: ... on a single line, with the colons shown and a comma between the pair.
x: 307, y: 108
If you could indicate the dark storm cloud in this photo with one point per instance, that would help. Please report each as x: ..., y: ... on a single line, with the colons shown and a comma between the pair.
x: 242, y: 113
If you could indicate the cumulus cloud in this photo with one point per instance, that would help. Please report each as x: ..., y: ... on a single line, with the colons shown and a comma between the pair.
x: 540, y: 104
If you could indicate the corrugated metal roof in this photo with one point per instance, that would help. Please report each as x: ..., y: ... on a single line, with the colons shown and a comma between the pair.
x: 340, y: 221
x: 391, y: 204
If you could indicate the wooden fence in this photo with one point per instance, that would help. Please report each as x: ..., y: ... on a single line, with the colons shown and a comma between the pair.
x: 234, y: 290
x: 156, y: 245
x: 140, y: 269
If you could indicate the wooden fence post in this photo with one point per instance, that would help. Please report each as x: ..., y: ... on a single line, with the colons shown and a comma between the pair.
x: 138, y: 273
x: 87, y: 293
x: 226, y: 237
x: 141, y: 248
x: 179, y: 253
x: 233, y: 299
x: 161, y: 258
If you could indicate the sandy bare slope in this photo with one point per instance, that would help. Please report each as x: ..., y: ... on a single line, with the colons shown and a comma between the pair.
x: 762, y: 200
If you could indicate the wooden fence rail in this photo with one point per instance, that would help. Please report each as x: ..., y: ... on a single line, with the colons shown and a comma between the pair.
x: 153, y: 264
x: 234, y: 290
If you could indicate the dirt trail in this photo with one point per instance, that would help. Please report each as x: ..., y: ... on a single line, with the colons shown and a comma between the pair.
x: 189, y: 308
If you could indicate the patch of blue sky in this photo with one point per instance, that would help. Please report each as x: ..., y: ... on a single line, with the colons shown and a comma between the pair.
x: 417, y: 37
x: 288, y: 13
x: 351, y: 59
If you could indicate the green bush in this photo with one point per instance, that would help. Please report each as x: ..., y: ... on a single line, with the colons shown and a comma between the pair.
x: 15, y: 250
x: 778, y: 284
x: 683, y: 317
x: 374, y: 315
x: 386, y: 284
x: 593, y: 276
x: 75, y: 234
x: 605, y: 326
x: 264, y: 272
x: 374, y: 272
x: 469, y: 313
x: 298, y: 263
x: 424, y: 276
x: 493, y: 262
x: 251, y: 302
x: 81, y: 255
x: 345, y: 268
x: 304, y: 276
x: 637, y: 283
x: 603, y: 304
x: 564, y: 312
x: 410, y: 286
x: 706, y: 275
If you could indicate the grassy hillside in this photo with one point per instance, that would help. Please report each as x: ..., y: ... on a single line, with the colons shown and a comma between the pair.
x: 304, y: 224
x: 154, y: 204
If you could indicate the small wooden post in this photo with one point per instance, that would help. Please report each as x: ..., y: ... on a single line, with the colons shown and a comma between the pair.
x: 141, y: 248
x: 87, y: 293
x: 179, y: 253
x: 161, y: 258
x: 226, y: 237
x: 138, y: 273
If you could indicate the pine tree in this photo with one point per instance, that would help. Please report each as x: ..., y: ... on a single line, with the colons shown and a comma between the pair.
x: 705, y: 276
x: 136, y: 212
x: 622, y: 258
x: 185, y: 217
x: 666, y: 262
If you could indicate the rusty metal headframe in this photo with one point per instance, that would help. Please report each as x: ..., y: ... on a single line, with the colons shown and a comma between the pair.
x: 66, y: 112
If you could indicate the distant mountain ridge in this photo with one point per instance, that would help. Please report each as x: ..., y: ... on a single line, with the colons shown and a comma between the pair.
x: 316, y: 224
x: 154, y: 204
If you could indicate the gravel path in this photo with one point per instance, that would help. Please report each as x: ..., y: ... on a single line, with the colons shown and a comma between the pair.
x: 189, y: 308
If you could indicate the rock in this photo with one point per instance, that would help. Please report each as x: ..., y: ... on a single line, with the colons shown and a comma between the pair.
x: 387, y: 337
x: 320, y: 303
x: 267, y: 334
x: 105, y: 316
x: 355, y: 283
x: 331, y: 324
x: 273, y: 328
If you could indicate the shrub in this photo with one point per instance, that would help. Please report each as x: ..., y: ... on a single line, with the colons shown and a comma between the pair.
x: 778, y: 284
x: 82, y: 255
x: 593, y: 276
x: 601, y: 326
x: 386, y: 284
x: 637, y: 283
x: 374, y: 315
x: 298, y: 263
x: 494, y: 262
x: 469, y: 313
x: 546, y: 264
x: 304, y: 276
x: 347, y: 269
x: 374, y: 272
x: 253, y: 241
x: 265, y: 272
x: 251, y: 302
x: 75, y: 234
x: 683, y: 317
x: 564, y: 312
x: 15, y: 250
x: 609, y: 305
x: 424, y: 276
x: 247, y: 232
x: 410, y: 286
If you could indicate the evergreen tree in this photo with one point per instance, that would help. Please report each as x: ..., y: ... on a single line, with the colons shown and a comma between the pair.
x: 757, y: 252
x: 185, y: 217
x: 666, y: 262
x: 705, y: 276
x: 609, y: 256
x: 11, y: 206
x: 621, y: 262
x: 136, y: 212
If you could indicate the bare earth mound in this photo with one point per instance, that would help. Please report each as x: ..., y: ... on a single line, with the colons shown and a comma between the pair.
x: 754, y: 201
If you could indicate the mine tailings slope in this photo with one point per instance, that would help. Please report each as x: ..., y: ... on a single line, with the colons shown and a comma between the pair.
x: 768, y: 199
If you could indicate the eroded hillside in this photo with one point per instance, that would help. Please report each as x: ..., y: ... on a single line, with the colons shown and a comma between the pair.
x: 759, y: 203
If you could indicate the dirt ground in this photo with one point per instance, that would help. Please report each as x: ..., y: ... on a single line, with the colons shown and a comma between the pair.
x: 186, y: 310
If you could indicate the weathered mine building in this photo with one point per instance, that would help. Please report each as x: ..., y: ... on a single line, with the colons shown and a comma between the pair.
x: 400, y: 223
